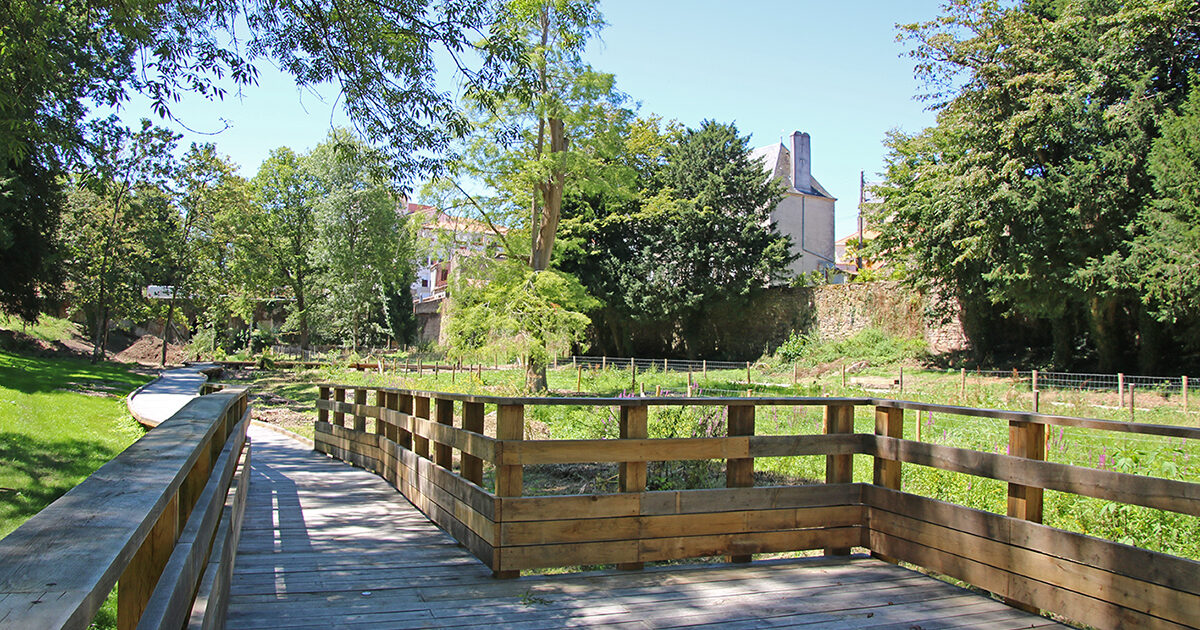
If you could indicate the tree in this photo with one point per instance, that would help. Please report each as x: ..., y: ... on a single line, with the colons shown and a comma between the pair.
x: 106, y: 231
x: 697, y: 235
x: 30, y: 203
x: 365, y: 248
x: 518, y: 312
x: 1036, y: 171
x: 1165, y: 258
x: 531, y: 144
x: 59, y: 60
x: 560, y: 30
x: 212, y: 263
x: 284, y: 190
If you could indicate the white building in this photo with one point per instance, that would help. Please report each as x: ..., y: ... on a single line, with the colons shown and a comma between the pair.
x: 443, y: 241
x: 806, y: 212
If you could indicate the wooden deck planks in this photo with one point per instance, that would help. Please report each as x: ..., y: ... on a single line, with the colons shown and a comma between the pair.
x: 328, y: 545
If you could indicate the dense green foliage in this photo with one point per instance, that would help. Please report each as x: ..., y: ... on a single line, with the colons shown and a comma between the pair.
x: 63, y: 64
x: 1165, y: 260
x: 518, y: 313
x: 531, y: 143
x: 118, y: 223
x: 286, y: 231
x: 689, y: 235
x: 362, y: 247
x: 1025, y: 199
x: 661, y: 226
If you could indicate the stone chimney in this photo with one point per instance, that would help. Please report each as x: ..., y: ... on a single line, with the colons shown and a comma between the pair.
x: 801, y: 162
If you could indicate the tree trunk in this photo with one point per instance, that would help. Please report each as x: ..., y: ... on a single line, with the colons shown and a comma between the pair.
x: 1107, y: 330
x: 1063, y: 333
x: 618, y: 336
x: 535, y: 375
x: 1149, y: 343
x: 167, y: 329
x: 98, y: 337
x: 104, y: 333
x: 552, y: 193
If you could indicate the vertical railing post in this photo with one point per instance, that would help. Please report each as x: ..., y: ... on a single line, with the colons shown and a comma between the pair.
x: 391, y: 428
x: 472, y: 467
x: 404, y: 436
x: 381, y: 466
x: 323, y: 394
x: 889, y: 422
x: 839, y: 468
x: 421, y: 410
x: 739, y: 472
x: 381, y: 398
x: 443, y: 454
x: 392, y: 403
x: 1028, y: 440
x: 141, y: 574
x: 360, y: 401
x: 339, y: 396
x: 632, y: 475
x: 510, y: 426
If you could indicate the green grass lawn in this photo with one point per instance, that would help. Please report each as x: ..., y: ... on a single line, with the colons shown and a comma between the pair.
x: 60, y: 419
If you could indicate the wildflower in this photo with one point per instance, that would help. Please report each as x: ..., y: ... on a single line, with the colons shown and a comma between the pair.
x: 1103, y: 457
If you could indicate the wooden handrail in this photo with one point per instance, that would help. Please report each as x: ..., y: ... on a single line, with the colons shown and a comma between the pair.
x: 1013, y: 555
x: 1167, y: 430
x: 166, y: 506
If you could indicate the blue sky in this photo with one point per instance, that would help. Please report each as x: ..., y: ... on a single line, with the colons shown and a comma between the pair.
x: 832, y: 69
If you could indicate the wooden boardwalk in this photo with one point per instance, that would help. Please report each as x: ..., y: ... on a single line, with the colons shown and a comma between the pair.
x: 326, y: 545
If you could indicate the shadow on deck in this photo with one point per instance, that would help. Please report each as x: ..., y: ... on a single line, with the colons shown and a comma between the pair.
x: 325, y: 544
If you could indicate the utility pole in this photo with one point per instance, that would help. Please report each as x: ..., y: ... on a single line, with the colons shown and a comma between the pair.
x: 862, y: 197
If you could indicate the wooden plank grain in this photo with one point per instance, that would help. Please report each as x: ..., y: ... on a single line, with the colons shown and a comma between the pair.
x: 631, y: 476
x: 1164, y: 494
x: 1140, y: 564
x: 664, y: 502
x: 1078, y: 607
x: 1170, y: 604
x: 675, y: 525
x: 621, y: 450
x: 170, y: 603
x: 676, y: 548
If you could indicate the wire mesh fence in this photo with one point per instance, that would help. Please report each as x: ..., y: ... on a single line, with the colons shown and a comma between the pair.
x: 1038, y: 379
x: 1033, y: 380
x: 673, y: 365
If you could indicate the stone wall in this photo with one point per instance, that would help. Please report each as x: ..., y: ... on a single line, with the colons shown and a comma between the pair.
x: 429, y: 321
x: 832, y: 312
x: 841, y: 310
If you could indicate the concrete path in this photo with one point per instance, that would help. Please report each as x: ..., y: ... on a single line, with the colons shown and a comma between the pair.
x: 159, y: 399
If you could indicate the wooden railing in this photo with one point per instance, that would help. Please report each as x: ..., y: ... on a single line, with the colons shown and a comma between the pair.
x: 1090, y: 580
x: 162, y: 520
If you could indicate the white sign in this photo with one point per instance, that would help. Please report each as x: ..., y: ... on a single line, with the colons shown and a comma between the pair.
x: 159, y: 292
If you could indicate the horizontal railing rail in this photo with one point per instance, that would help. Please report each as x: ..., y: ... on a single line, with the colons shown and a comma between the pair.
x: 161, y: 520
x: 410, y: 438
